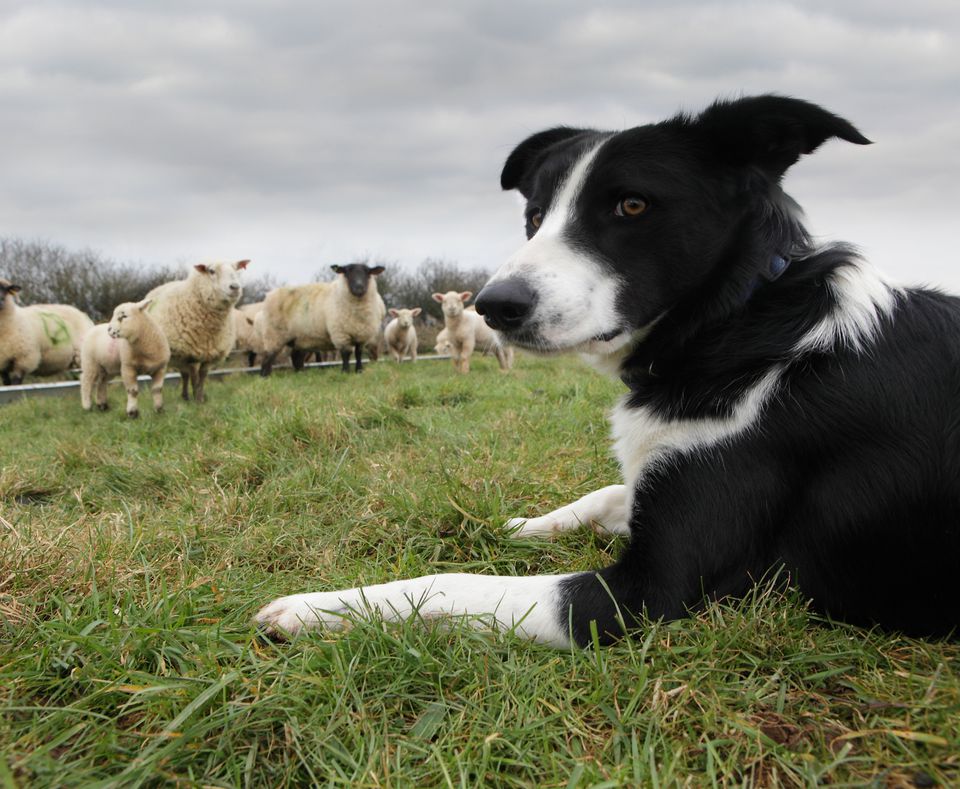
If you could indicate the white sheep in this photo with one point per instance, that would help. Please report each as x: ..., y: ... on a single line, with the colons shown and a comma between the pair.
x: 131, y: 344
x: 247, y: 339
x: 42, y: 339
x: 196, y: 315
x: 400, y: 336
x: 467, y: 331
x: 442, y: 344
x: 343, y: 315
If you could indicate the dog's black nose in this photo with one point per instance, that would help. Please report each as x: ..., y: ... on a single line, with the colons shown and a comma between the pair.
x: 506, y: 304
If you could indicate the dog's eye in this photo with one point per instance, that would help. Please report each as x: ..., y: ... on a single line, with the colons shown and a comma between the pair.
x: 631, y: 206
x: 535, y: 218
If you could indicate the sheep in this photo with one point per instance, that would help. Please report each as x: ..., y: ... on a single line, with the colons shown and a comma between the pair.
x: 42, y: 339
x: 248, y: 341
x: 344, y: 315
x: 466, y: 330
x: 400, y: 335
x: 131, y: 344
x: 443, y: 346
x: 196, y: 315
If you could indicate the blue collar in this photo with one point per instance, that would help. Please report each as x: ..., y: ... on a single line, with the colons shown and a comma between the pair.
x: 633, y: 378
x: 778, y: 264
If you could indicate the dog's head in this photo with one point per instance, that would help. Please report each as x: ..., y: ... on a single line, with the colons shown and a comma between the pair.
x: 624, y: 226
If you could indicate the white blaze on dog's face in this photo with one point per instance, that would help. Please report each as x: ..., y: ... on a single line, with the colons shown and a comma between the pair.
x: 575, y: 292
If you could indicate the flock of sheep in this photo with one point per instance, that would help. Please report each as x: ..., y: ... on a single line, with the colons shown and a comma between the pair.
x: 194, y: 323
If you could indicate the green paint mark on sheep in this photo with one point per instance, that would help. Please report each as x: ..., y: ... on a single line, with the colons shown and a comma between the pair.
x: 55, y: 328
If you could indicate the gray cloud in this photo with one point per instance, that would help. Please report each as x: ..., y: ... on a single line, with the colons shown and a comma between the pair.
x: 299, y: 133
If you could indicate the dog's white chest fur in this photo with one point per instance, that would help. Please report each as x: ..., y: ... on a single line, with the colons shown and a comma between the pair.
x: 642, y: 440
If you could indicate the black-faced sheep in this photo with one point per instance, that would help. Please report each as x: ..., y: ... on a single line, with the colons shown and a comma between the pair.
x: 344, y: 315
x: 42, y: 339
x: 196, y: 315
x: 130, y: 344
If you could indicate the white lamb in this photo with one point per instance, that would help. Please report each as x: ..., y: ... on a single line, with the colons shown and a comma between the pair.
x: 442, y: 345
x: 42, y: 339
x: 467, y: 331
x: 247, y: 339
x: 131, y: 344
x: 196, y: 315
x: 343, y: 315
x: 400, y: 335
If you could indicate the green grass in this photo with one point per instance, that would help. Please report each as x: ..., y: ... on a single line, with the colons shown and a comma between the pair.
x: 133, y: 554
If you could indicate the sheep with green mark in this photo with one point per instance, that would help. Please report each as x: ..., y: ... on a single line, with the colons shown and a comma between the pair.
x: 42, y: 339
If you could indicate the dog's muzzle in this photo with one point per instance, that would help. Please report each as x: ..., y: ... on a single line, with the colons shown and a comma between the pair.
x: 506, y: 305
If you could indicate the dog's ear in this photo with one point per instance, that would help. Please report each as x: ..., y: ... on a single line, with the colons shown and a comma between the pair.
x: 528, y: 155
x: 770, y: 132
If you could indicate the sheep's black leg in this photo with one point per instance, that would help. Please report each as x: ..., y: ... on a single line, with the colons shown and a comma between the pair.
x: 6, y: 378
x: 358, y: 349
x: 266, y: 363
x: 345, y: 358
x: 297, y: 358
x: 251, y: 358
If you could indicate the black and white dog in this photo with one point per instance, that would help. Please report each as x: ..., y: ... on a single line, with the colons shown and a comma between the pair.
x: 787, y: 406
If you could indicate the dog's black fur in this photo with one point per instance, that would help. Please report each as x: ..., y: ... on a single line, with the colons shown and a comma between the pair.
x: 850, y: 478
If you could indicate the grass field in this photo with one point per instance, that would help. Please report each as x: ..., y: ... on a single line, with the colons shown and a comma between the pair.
x: 133, y: 554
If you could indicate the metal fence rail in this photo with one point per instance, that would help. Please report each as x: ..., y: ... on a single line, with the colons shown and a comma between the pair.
x: 10, y: 394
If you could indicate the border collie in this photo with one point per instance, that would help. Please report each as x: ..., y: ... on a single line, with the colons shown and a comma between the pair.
x: 787, y: 407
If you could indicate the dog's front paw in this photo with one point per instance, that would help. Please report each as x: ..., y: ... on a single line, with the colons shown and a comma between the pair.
x: 532, y: 527
x: 288, y: 616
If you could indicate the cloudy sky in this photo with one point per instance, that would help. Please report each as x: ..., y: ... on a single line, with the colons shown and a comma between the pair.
x: 300, y: 134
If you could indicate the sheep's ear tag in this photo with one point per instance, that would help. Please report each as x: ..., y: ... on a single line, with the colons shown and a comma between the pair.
x: 13, y: 289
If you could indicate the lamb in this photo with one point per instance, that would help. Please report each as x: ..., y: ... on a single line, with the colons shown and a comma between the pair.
x: 466, y: 330
x: 42, y: 339
x: 248, y: 340
x: 400, y: 335
x: 130, y: 344
x: 196, y: 315
x: 443, y: 346
x: 344, y: 315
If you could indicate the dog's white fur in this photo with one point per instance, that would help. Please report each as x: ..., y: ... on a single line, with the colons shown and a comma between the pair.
x: 527, y: 606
